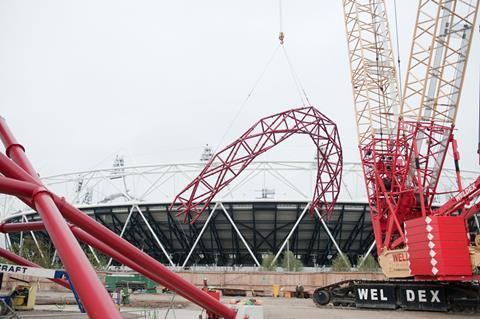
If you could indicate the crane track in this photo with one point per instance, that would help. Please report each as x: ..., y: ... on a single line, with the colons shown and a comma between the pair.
x: 440, y: 296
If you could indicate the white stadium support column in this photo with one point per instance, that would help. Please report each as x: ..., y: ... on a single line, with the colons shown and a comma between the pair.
x: 331, y: 236
x: 299, y: 219
x: 200, y: 235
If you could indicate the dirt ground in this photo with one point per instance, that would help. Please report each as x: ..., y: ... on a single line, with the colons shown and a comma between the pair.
x: 55, y: 305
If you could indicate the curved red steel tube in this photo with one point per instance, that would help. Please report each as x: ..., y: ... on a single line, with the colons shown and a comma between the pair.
x: 164, y: 276
x: 15, y: 150
x: 89, y: 240
x: 17, y: 188
x: 268, y: 132
x: 84, y: 237
x: 96, y: 299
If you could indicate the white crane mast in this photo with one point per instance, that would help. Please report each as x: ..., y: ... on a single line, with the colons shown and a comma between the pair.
x: 436, y: 70
x: 373, y: 72
x: 437, y: 62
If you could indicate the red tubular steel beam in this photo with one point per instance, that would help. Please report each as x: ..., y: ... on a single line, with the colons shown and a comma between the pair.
x: 15, y: 150
x: 114, y: 245
x: 19, y: 227
x: 17, y: 188
x: 24, y: 262
x: 93, y: 295
x: 87, y: 239
x: 165, y: 277
x: 97, y: 301
x: 84, y: 237
x: 109, y: 245
x: 13, y: 170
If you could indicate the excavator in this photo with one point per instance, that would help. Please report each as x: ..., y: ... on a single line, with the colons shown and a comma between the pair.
x: 424, y: 247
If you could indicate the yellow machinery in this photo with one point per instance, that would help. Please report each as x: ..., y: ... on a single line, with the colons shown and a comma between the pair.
x: 23, y: 297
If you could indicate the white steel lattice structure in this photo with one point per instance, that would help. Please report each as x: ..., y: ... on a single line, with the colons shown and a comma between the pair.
x: 373, y: 74
x: 240, y: 226
x: 435, y: 76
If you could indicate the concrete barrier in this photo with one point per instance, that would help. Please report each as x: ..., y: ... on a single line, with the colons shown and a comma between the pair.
x: 265, y: 280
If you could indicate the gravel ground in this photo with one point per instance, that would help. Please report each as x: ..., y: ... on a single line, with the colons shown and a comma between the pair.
x: 52, y: 305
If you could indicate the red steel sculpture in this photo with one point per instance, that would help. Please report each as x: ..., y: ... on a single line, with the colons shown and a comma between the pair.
x: 228, y: 163
x: 21, y: 180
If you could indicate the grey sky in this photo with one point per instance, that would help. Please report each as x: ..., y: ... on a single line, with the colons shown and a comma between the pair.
x: 155, y: 80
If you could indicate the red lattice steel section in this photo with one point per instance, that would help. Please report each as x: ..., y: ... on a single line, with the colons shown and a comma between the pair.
x: 228, y: 163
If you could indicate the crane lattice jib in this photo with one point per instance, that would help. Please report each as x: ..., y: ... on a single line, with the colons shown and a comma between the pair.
x: 436, y: 70
x: 438, y: 58
x: 229, y: 162
x: 373, y: 72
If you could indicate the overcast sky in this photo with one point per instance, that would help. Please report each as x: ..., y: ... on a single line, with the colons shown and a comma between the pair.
x: 81, y: 81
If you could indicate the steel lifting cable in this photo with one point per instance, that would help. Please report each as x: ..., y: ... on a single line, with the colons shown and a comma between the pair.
x: 247, y: 98
x: 298, y: 84
x: 296, y: 79
x: 257, y: 81
x: 400, y: 93
x: 380, y: 92
x: 478, y: 147
x: 281, y: 35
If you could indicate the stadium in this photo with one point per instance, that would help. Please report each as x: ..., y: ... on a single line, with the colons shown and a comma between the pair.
x: 265, y: 211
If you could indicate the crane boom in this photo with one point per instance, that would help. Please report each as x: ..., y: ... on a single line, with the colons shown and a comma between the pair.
x: 441, y: 42
x: 439, y: 53
x: 376, y: 97
x: 403, y: 153
x: 372, y: 66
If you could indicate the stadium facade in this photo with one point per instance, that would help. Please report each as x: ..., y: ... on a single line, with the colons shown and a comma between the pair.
x: 265, y: 212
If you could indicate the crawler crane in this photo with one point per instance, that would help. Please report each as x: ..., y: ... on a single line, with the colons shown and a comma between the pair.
x: 423, y: 245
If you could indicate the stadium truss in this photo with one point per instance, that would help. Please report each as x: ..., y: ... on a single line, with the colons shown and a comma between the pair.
x: 238, y: 228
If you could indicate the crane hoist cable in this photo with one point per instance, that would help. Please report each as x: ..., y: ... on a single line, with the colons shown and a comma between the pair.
x: 296, y: 79
x: 478, y: 144
x: 247, y: 98
x: 298, y: 84
x: 380, y: 89
x: 281, y: 35
x: 400, y: 92
x: 294, y: 75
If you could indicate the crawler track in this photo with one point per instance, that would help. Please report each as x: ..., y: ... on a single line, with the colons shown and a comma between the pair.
x: 401, y: 294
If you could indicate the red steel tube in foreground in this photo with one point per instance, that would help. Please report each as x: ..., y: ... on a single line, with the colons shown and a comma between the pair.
x: 94, y: 297
x: 105, y: 247
x: 166, y: 277
x: 87, y: 239
x: 84, y: 237
x: 108, y: 250
x: 15, y: 150
x: 89, y: 287
x: 17, y: 188
x: 24, y: 262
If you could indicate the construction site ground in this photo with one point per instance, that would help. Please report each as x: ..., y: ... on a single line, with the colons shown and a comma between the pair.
x: 59, y: 305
